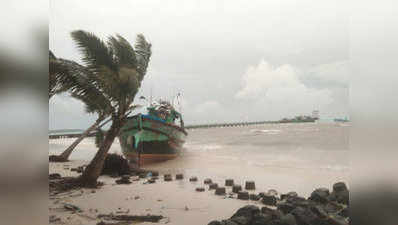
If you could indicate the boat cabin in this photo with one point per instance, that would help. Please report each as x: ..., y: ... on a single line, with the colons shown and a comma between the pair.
x: 164, y: 112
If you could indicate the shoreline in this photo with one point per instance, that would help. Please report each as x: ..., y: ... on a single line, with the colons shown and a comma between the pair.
x: 176, y: 200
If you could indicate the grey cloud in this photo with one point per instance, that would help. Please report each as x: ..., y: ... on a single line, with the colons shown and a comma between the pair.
x: 203, y: 49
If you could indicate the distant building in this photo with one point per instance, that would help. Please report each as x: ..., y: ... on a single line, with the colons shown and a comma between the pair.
x: 315, y: 114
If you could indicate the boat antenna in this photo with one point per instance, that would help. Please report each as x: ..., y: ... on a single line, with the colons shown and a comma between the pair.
x: 150, y: 98
x: 174, y: 98
x: 179, y: 102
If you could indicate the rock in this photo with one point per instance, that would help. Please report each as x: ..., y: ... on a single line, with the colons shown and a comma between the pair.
x: 297, y: 201
x: 135, y: 179
x: 293, y: 209
x: 207, y: 181
x: 247, y: 211
x: 305, y: 216
x: 124, y: 180
x: 200, y: 189
x: 167, y: 177
x: 72, y: 207
x: 54, y: 176
x: 126, y: 177
x: 151, y: 181
x: 343, y: 197
x: 215, y: 222
x: 236, y: 188
x: 319, y: 211
x: 194, y: 179
x: 276, y: 214
x: 229, y: 182
x: 268, y: 200
x: 339, y: 186
x: 345, y: 212
x: 332, y: 197
x: 289, y: 194
x: 261, y: 218
x: 179, y: 176
x: 229, y: 222
x: 115, y: 163
x: 220, y: 191
x: 213, y: 186
x: 332, y: 207
x: 250, y: 185
x: 241, y: 220
x: 285, y: 207
x: 335, y: 220
x: 272, y: 192
x: 320, y: 195
x: 275, y: 222
x: 54, y: 219
x: 254, y: 197
x: 288, y: 219
x: 243, y: 195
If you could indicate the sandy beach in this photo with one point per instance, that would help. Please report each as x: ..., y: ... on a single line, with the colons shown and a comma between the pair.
x: 176, y: 200
x: 284, y: 157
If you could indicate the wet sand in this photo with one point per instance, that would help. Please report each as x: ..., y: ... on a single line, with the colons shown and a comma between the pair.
x: 285, y: 157
x: 177, y: 200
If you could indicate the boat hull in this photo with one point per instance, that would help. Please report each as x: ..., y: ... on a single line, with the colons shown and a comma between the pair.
x: 146, y: 140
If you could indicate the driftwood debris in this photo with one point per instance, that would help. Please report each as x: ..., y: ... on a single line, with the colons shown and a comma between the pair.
x: 131, y: 218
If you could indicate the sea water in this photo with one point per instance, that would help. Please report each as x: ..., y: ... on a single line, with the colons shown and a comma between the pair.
x: 286, y: 157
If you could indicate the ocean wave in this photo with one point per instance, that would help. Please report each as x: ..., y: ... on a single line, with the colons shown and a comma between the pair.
x: 202, y: 147
x: 335, y: 167
x: 270, y: 131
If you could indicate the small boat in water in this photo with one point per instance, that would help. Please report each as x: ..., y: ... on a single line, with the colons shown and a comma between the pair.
x: 153, y: 137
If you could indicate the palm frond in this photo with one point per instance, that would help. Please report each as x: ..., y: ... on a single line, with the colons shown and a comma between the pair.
x: 54, y: 86
x: 143, y: 51
x: 76, y: 79
x: 112, y: 74
x: 103, y: 61
x: 124, y: 52
x: 96, y: 53
x: 109, y: 82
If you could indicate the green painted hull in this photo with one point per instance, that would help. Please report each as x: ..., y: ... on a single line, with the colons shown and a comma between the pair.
x: 150, y: 139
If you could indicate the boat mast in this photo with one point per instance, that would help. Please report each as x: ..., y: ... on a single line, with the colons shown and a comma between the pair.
x: 179, y: 101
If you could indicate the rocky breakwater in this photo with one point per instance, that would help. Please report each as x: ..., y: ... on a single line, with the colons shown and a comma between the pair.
x: 321, y: 208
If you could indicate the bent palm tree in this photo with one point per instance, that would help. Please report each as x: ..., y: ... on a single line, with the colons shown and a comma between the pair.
x: 66, y: 75
x: 113, y: 73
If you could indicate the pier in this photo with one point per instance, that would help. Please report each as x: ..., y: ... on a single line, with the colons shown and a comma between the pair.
x: 188, y: 127
x: 236, y: 124
x: 68, y: 135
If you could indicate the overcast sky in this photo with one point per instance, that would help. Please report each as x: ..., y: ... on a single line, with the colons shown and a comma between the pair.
x: 231, y: 60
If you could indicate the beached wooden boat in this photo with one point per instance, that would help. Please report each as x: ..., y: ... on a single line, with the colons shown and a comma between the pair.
x: 153, y: 137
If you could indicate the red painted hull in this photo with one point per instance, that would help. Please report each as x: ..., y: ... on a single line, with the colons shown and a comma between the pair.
x: 145, y: 159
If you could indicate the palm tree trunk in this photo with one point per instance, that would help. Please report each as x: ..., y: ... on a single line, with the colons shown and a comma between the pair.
x: 93, y: 170
x: 65, y: 154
